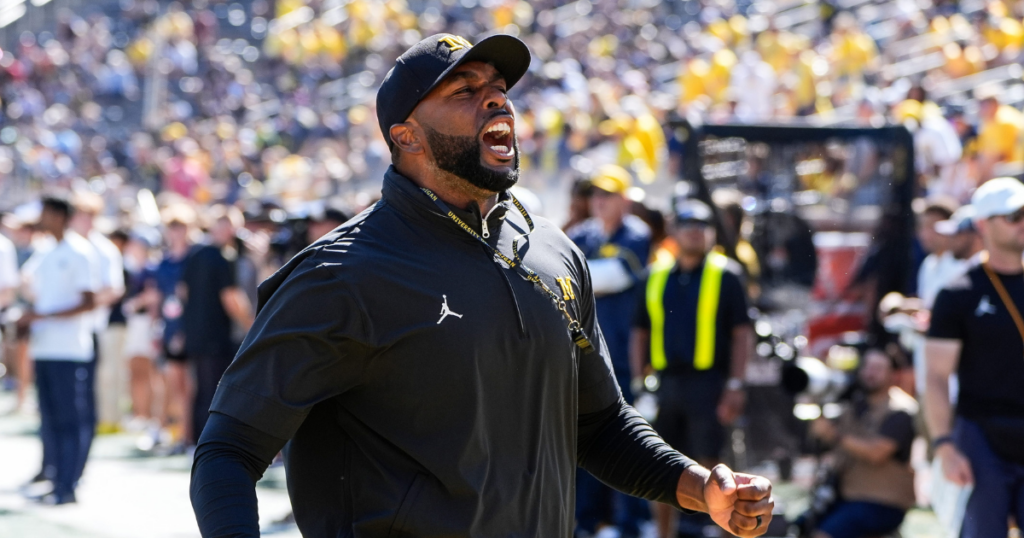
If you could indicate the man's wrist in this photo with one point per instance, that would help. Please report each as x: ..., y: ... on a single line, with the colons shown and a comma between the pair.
x: 940, y: 441
x: 690, y: 488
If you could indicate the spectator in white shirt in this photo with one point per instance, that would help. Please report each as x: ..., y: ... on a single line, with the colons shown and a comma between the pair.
x: 937, y: 148
x: 940, y: 264
x: 111, y: 384
x: 61, y: 282
x: 8, y: 290
x: 8, y: 272
x: 753, y: 84
x: 963, y: 244
x: 937, y: 270
x: 15, y: 346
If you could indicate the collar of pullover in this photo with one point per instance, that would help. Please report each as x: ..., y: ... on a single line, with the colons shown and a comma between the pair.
x: 406, y: 196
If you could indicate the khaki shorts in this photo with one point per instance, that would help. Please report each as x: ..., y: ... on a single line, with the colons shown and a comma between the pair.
x: 139, y: 340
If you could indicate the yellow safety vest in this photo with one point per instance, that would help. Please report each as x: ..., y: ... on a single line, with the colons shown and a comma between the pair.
x: 707, y: 309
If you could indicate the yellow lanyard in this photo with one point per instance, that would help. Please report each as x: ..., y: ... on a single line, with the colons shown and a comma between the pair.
x: 516, y: 264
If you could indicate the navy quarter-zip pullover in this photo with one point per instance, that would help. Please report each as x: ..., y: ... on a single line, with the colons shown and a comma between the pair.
x: 426, y: 390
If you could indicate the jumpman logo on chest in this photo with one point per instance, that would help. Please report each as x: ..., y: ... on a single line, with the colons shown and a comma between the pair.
x: 445, y: 311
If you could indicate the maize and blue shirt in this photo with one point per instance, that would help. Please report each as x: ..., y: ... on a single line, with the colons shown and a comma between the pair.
x: 631, y: 245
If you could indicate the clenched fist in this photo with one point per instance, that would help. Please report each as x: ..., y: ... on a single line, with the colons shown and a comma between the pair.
x: 739, y: 503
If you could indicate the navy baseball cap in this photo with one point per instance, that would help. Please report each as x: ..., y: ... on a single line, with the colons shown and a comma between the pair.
x: 428, y: 62
x: 692, y: 210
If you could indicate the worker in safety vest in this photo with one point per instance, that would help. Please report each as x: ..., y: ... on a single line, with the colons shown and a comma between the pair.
x: 617, y: 246
x: 692, y: 327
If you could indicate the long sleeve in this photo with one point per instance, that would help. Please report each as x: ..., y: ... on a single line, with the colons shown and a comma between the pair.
x: 230, y: 459
x: 621, y: 449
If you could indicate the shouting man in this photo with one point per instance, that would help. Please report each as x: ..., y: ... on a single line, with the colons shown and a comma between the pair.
x: 401, y: 424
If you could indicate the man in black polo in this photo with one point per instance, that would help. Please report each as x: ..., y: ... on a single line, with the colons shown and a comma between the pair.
x: 977, y: 331
x: 436, y: 366
x: 213, y: 301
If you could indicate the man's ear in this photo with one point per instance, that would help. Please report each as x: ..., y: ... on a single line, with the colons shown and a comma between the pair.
x: 404, y: 136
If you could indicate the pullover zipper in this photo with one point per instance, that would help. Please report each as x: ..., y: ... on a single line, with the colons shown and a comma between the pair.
x: 485, y: 232
x: 515, y: 300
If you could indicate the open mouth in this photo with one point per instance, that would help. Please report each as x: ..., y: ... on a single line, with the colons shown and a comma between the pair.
x: 498, y: 138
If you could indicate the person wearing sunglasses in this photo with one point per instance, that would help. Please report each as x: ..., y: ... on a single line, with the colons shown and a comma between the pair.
x: 977, y: 332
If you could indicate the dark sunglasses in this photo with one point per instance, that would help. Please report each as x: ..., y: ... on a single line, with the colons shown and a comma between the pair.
x: 692, y: 223
x: 1015, y: 217
x: 600, y: 193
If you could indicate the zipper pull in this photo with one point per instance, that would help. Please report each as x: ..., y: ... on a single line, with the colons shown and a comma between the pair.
x: 485, y: 233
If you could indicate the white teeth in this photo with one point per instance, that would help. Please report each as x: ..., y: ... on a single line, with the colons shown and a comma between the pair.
x: 499, y: 127
x: 503, y: 150
x: 502, y: 128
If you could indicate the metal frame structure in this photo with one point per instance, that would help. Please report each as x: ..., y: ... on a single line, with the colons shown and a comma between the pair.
x: 903, y: 173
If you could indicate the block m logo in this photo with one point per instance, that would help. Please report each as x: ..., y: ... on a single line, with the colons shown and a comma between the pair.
x: 455, y: 42
x: 565, y: 283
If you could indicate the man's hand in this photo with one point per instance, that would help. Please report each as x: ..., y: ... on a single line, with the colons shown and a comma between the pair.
x: 955, y: 465
x: 730, y: 407
x: 26, y: 319
x: 735, y: 501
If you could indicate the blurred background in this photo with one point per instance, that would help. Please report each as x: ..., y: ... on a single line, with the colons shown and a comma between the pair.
x: 828, y: 136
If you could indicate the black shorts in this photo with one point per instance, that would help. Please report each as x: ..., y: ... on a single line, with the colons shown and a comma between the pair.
x: 171, y: 356
x: 688, y: 414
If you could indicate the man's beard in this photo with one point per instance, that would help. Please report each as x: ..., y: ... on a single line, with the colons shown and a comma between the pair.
x: 461, y: 155
x: 871, y: 390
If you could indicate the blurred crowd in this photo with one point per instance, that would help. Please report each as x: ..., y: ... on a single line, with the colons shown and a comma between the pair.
x: 222, y: 102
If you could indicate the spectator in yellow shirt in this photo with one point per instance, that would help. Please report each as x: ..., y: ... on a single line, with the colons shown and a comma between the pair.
x: 853, y: 50
x: 999, y: 133
x: 693, y: 80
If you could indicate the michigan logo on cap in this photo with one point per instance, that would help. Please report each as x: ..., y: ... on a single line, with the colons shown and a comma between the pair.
x: 455, y: 42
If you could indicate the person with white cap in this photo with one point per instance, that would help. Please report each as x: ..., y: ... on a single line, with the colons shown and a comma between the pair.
x: 962, y: 242
x: 938, y: 266
x: 963, y: 239
x: 978, y: 333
